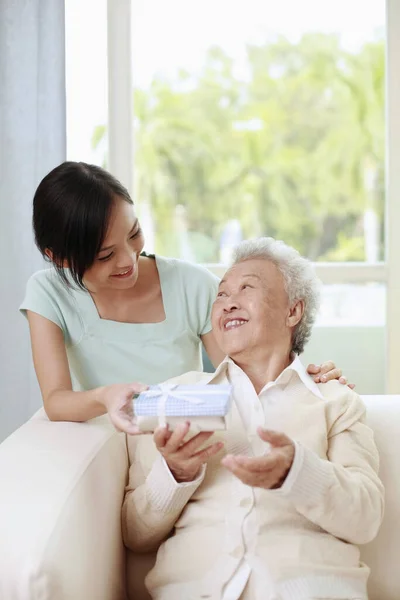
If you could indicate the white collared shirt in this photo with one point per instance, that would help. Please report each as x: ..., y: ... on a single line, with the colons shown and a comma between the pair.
x: 254, y: 410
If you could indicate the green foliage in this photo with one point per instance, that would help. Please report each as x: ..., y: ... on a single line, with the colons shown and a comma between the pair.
x: 293, y: 149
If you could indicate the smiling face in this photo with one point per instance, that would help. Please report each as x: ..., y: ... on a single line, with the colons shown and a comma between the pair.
x: 116, y: 265
x: 251, y: 312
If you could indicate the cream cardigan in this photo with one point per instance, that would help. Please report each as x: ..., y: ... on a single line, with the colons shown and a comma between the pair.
x: 299, y: 541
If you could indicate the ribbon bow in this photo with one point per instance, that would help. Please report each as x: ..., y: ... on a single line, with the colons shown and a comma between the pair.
x: 166, y: 390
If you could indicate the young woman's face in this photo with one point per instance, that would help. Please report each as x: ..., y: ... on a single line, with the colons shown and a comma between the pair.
x: 116, y: 265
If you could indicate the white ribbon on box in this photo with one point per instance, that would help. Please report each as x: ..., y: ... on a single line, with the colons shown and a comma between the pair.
x: 165, y: 390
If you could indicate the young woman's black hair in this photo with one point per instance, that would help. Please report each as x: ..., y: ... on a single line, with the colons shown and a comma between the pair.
x: 71, y: 211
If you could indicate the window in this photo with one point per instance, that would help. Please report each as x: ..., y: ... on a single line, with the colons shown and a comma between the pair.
x: 260, y: 118
x: 254, y: 118
x: 86, y: 80
x: 265, y: 119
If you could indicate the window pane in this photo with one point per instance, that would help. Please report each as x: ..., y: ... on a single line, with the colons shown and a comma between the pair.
x: 353, y: 305
x: 260, y: 118
x: 86, y: 80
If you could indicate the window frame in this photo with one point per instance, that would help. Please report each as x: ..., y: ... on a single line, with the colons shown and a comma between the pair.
x: 392, y: 234
x: 120, y: 160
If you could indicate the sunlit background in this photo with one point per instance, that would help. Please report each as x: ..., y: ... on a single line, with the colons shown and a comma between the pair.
x: 251, y: 118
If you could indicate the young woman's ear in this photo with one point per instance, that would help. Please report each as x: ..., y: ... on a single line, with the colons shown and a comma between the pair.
x: 295, y: 313
x: 49, y: 255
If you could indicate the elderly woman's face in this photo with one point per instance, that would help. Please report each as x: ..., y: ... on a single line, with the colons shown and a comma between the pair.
x: 251, y: 308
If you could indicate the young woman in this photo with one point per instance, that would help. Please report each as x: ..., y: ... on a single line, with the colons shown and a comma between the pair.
x: 106, y: 313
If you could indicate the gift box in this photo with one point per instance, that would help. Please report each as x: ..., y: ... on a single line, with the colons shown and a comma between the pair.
x: 207, y: 407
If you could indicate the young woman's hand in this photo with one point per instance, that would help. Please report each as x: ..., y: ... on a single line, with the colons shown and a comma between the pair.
x: 184, y: 459
x: 118, y: 401
x: 326, y: 372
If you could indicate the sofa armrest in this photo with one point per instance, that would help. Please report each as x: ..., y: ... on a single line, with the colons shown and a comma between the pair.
x: 61, y: 491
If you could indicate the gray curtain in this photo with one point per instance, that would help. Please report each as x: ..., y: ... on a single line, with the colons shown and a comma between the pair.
x: 32, y: 141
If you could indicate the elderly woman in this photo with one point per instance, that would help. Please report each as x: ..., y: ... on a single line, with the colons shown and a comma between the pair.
x: 272, y: 508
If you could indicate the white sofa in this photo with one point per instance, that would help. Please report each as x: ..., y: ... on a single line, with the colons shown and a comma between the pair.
x: 61, y: 489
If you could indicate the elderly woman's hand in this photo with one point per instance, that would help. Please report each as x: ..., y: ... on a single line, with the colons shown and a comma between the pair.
x: 326, y: 372
x: 184, y: 459
x: 268, y: 471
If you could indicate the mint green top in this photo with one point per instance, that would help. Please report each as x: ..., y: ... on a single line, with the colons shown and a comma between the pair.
x: 102, y: 352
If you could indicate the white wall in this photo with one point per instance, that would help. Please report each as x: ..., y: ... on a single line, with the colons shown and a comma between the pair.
x: 358, y: 351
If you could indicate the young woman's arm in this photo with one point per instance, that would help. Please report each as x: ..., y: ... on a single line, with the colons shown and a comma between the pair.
x: 61, y: 403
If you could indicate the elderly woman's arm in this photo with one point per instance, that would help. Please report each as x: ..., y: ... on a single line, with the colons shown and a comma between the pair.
x: 153, y: 500
x: 343, y: 495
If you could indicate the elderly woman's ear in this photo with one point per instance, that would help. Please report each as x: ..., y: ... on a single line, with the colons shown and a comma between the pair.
x: 295, y: 313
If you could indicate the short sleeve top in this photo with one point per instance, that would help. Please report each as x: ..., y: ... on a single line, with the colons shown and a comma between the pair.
x: 102, y: 352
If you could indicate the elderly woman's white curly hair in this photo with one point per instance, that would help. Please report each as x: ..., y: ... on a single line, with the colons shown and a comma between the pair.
x: 301, y: 282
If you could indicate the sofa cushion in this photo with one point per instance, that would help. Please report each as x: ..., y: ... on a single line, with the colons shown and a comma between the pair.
x: 382, y: 555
